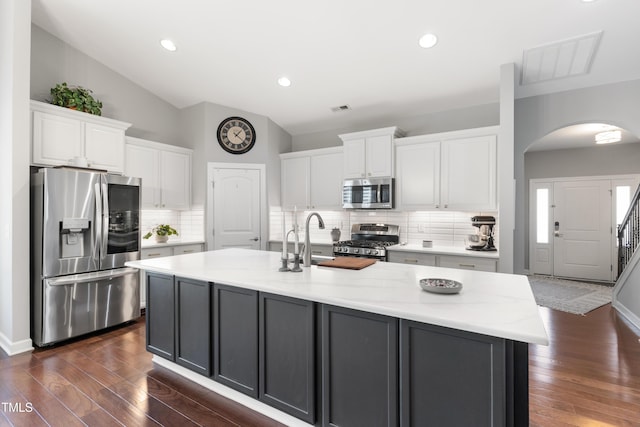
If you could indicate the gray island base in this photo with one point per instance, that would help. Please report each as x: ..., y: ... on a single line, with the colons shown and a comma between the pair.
x: 334, y: 347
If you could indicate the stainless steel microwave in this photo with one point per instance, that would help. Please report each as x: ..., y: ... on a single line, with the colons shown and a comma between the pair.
x: 371, y: 193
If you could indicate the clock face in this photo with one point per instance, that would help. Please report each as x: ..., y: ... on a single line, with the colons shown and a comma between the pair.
x: 236, y: 135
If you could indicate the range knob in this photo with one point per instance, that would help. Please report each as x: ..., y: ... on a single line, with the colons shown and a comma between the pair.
x: 368, y: 252
x: 356, y: 250
x: 375, y: 252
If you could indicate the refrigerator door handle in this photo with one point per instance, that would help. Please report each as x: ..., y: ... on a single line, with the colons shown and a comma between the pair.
x: 97, y: 226
x: 91, y: 277
x: 105, y: 220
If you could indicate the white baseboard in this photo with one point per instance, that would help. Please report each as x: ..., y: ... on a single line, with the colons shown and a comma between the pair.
x: 13, y: 348
x: 627, y: 314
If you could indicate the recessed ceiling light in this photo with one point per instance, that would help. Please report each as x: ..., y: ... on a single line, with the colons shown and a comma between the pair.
x: 284, y: 82
x: 428, y: 40
x: 608, y: 137
x: 169, y: 45
x: 587, y: 1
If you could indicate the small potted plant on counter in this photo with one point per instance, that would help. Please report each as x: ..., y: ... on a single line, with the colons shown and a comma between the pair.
x: 162, y: 233
x: 76, y: 98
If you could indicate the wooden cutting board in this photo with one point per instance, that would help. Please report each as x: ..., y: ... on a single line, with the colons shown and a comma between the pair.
x: 351, y: 263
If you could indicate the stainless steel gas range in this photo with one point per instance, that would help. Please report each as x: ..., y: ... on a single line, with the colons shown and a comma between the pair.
x: 368, y: 241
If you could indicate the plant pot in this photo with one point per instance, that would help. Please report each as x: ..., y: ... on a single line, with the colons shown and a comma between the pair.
x: 161, y: 239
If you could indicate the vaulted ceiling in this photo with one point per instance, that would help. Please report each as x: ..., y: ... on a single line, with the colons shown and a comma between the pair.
x: 360, y: 53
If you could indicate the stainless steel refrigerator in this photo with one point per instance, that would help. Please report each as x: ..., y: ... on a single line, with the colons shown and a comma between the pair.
x: 85, y: 226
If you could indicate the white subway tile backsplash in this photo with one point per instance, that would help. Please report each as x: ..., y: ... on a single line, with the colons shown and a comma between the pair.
x: 189, y: 224
x: 444, y: 228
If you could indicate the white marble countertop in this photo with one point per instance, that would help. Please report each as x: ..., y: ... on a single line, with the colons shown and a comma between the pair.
x: 495, y: 304
x: 443, y: 250
x: 151, y: 243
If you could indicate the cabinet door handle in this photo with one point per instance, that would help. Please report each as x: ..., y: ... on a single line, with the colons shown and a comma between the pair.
x: 255, y: 239
x: 410, y: 261
x: 446, y: 206
x: 467, y: 265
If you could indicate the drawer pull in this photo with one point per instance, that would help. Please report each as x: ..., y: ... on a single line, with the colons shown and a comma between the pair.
x: 188, y: 251
x: 316, y: 252
x: 151, y: 255
x: 467, y: 265
x: 410, y: 261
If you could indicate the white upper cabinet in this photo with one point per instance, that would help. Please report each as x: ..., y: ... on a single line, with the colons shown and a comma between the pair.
x: 325, y: 186
x: 59, y: 134
x: 312, y: 179
x: 453, y: 170
x: 165, y: 171
x: 418, y: 176
x: 469, y: 173
x: 369, y: 154
x: 295, y: 182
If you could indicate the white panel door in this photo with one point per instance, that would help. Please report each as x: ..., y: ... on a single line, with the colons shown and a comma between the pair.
x: 236, y: 208
x: 582, y: 229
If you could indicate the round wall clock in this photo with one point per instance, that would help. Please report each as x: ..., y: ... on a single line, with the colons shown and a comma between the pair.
x: 236, y: 135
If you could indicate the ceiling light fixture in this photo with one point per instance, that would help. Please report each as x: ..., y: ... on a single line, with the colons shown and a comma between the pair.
x: 428, y: 41
x: 608, y: 137
x: 284, y: 82
x: 169, y: 45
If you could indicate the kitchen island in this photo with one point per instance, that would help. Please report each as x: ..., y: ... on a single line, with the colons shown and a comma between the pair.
x: 345, y: 347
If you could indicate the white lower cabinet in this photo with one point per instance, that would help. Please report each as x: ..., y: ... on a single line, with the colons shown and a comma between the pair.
x: 467, y: 263
x: 411, y: 258
x: 447, y: 261
x: 158, y: 252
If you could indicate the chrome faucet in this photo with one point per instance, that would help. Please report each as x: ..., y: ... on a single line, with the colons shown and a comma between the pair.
x: 307, y: 241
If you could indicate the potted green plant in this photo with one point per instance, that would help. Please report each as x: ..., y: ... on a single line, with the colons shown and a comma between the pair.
x: 76, y: 98
x: 162, y: 233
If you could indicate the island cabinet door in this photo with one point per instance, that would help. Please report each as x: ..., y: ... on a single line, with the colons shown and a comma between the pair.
x: 159, y: 315
x: 451, y: 378
x: 359, y: 368
x: 235, y: 338
x: 193, y: 325
x: 287, y: 355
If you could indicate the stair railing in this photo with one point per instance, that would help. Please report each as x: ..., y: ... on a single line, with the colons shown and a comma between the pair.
x: 629, y: 233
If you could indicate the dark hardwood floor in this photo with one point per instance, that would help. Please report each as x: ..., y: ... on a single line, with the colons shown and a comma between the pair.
x: 108, y: 379
x: 588, y: 376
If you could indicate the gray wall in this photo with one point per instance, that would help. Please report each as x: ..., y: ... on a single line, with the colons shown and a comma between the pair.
x: 591, y: 161
x: 464, y: 118
x: 53, y: 61
x: 617, y: 104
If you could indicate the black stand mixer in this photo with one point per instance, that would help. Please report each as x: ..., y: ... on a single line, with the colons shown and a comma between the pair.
x: 485, y: 226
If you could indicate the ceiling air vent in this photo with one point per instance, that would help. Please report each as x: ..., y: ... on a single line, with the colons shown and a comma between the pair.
x: 339, y: 108
x: 566, y: 58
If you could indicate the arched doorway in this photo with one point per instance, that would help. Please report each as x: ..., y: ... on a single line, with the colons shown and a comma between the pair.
x: 576, y: 192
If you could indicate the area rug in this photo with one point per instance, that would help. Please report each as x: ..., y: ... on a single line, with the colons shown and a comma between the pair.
x: 568, y: 295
